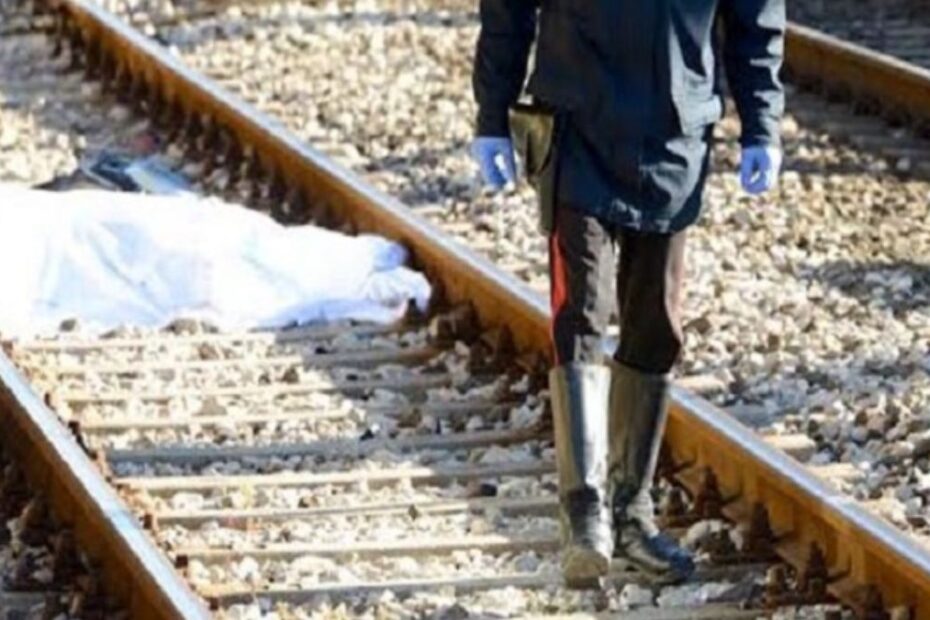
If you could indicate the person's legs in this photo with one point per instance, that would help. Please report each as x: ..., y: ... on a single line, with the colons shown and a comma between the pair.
x: 649, y: 296
x: 649, y: 290
x: 582, y: 270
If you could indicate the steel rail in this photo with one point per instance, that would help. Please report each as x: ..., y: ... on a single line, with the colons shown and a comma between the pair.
x: 136, y: 571
x: 901, y: 90
x: 860, y: 551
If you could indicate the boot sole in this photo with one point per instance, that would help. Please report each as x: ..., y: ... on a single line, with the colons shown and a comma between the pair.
x: 584, y: 568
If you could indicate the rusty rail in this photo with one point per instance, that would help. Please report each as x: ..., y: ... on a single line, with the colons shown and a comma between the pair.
x: 882, y: 83
x: 862, y: 557
x: 138, y: 573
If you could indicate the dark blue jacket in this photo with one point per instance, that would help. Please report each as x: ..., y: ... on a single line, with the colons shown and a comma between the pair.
x: 638, y: 83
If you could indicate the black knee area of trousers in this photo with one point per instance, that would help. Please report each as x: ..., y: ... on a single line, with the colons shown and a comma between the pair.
x: 588, y: 283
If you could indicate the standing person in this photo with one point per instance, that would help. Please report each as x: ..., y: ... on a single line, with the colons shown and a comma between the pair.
x: 617, y: 143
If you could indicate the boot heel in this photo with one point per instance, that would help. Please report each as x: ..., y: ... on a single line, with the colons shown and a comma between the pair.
x: 584, y: 567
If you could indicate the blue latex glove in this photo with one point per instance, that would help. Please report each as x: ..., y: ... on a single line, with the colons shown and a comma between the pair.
x: 760, y: 168
x: 495, y: 159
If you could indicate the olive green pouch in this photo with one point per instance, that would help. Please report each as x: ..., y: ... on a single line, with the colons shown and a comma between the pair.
x: 533, y: 129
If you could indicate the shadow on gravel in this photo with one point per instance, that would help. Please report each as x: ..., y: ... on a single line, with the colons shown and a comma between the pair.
x: 899, y: 286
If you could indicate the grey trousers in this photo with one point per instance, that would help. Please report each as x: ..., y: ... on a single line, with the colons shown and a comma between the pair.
x: 586, y: 283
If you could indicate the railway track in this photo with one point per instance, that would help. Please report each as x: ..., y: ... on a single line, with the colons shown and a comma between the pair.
x: 367, y: 470
x: 899, y: 28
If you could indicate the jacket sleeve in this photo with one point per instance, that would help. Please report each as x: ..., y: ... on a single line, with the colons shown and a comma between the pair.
x: 508, y: 28
x: 754, y: 44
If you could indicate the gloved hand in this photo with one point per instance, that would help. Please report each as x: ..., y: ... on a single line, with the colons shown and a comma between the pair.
x: 760, y: 168
x: 495, y: 159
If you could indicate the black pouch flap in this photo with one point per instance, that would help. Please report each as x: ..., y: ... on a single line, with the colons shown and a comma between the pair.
x: 532, y: 127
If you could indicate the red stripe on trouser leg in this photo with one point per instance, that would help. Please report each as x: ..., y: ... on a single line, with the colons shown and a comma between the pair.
x: 558, y: 291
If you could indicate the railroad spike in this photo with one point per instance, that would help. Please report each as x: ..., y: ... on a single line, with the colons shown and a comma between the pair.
x: 813, y: 579
x: 35, y: 522
x: 107, y: 73
x: 122, y: 84
x: 538, y: 371
x: 666, y: 468
x: 14, y: 492
x: 274, y: 201
x: 760, y: 539
x: 296, y: 205
x: 776, y: 586
x: 174, y: 121
x: 75, y: 427
x: 193, y: 126
x: 182, y: 562
x: 492, y: 353
x: 872, y: 606
x: 234, y: 159
x: 721, y: 549
x: 224, y: 143
x: 155, y: 105
x: 208, y: 147
x: 92, y: 60
x: 708, y: 503
x: 76, y: 48
x: 674, y: 509
x: 139, y: 94
x: 150, y: 522
x: 89, y: 601
x: 196, y: 127
x: 58, y: 35
x: 460, y: 323
x: 66, y: 564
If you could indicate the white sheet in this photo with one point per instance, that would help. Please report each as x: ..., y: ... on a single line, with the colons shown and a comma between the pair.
x: 111, y: 259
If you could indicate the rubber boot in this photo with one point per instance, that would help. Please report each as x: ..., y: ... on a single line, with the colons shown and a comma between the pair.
x: 579, y: 395
x: 638, y: 411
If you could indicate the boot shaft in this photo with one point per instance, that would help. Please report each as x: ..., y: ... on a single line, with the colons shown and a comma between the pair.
x: 638, y: 410
x: 579, y: 394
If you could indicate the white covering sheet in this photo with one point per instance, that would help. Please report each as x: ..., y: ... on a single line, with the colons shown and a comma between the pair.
x: 111, y: 259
